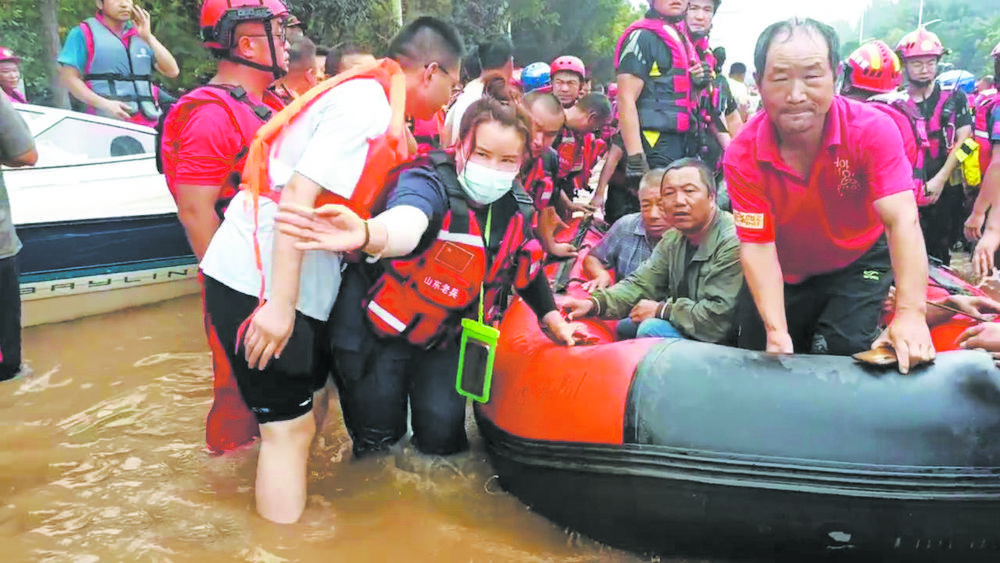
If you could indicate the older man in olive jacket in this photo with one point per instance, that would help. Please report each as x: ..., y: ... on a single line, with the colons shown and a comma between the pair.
x: 688, y: 287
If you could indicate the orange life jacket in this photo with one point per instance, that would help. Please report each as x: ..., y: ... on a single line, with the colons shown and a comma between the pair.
x: 423, y: 298
x: 538, y: 182
x: 384, y: 153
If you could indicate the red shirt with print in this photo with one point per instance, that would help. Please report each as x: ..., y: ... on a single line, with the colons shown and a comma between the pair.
x: 826, y: 220
x: 201, y: 150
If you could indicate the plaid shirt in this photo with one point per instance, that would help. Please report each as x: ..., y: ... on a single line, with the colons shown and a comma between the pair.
x: 625, y: 247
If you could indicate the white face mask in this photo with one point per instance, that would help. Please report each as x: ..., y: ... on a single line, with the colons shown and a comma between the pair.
x: 483, y: 184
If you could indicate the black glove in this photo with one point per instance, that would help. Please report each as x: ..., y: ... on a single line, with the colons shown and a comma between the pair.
x: 636, y: 166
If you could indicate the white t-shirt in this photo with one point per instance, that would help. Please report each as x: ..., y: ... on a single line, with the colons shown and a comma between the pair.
x: 740, y: 93
x: 328, y: 145
x: 471, y: 94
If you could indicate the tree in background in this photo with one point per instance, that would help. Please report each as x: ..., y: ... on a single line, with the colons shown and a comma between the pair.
x: 969, y: 28
x: 587, y: 29
x: 542, y: 30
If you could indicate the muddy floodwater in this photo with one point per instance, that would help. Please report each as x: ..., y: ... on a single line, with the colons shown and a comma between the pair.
x: 102, y: 459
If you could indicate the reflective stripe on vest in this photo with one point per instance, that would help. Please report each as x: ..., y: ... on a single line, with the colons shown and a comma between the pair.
x: 666, y: 103
x: 120, y: 68
x: 422, y: 297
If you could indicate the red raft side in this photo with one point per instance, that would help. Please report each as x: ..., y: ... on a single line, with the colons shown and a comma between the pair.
x: 585, y: 405
x: 945, y: 336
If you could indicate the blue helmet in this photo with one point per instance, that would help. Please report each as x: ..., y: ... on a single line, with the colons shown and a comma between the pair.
x: 535, y: 76
x: 958, y: 80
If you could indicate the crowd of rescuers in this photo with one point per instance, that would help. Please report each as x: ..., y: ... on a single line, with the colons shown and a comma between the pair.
x: 824, y: 228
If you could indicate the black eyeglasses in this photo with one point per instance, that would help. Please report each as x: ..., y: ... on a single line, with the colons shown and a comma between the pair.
x: 280, y: 37
x: 437, y: 66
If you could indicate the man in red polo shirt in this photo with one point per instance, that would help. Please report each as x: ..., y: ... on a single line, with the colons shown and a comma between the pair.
x: 824, y: 206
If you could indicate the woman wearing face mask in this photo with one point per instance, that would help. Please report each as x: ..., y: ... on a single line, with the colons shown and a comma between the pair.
x: 456, y: 233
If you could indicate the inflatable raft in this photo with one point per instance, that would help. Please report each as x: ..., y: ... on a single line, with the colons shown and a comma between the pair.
x: 674, y: 446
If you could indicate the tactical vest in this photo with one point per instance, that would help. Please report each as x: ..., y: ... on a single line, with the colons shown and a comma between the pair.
x: 120, y: 68
x: 666, y: 103
x: 912, y: 126
x: 423, y: 297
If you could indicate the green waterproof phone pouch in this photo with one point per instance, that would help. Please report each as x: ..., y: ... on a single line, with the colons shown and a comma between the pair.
x: 475, y: 360
x: 478, y: 348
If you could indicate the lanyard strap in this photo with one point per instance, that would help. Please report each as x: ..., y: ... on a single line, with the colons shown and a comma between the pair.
x: 482, y: 292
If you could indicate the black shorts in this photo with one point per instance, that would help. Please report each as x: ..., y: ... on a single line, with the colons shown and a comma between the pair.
x: 284, y: 389
x: 668, y: 148
x: 835, y: 313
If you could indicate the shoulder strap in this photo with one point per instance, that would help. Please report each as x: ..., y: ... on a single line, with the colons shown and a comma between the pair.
x: 525, y: 205
x: 444, y: 165
x: 239, y: 94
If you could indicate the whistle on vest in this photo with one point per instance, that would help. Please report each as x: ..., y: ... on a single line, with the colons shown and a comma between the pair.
x: 968, y: 156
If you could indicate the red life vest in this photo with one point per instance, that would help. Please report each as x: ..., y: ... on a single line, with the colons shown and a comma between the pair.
x: 245, y: 117
x: 983, y: 113
x: 941, y: 129
x: 423, y: 298
x: 578, y: 154
x: 913, y: 128
x: 538, y: 183
x: 667, y: 102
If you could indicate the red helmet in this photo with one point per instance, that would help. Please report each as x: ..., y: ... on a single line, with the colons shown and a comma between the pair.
x: 874, y: 67
x: 8, y: 54
x: 920, y: 43
x: 996, y: 52
x: 571, y: 64
x: 219, y: 18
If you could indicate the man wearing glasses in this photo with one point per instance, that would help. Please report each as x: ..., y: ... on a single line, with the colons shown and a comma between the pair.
x: 949, y: 124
